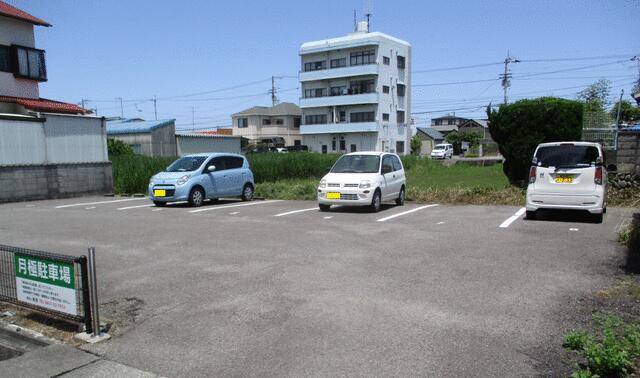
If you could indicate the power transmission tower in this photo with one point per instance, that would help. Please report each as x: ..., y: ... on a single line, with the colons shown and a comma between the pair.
x: 506, y: 76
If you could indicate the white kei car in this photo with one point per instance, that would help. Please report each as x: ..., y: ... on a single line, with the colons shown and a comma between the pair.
x: 568, y: 175
x: 442, y: 151
x: 363, y: 179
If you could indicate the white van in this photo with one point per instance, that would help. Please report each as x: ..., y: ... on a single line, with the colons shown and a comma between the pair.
x: 442, y: 151
x: 363, y: 179
x: 568, y: 175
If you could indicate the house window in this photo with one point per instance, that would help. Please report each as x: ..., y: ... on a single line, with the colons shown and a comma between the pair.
x: 362, y: 86
x: 297, y: 142
x: 400, y: 147
x: 401, y: 63
x: 266, y: 121
x: 400, y: 116
x: 363, y: 57
x: 279, y: 121
x: 296, y: 122
x: 5, y: 61
x: 401, y: 89
x: 385, y: 116
x: 385, y: 89
x: 333, y: 144
x: 353, y: 148
x: 317, y: 92
x: 337, y: 91
x: 386, y: 60
x: 324, y: 148
x: 342, y: 116
x: 315, y: 119
x: 337, y: 63
x: 343, y: 145
x: 362, y: 116
x: 243, y: 122
x: 315, y: 66
x: 31, y: 63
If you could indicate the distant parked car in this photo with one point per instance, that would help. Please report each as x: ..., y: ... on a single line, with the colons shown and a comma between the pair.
x: 363, y: 179
x: 442, y: 151
x: 568, y: 175
x: 297, y: 148
x: 197, y: 177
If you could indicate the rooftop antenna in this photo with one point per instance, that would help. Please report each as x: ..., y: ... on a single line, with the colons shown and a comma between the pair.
x: 368, y: 13
x: 355, y: 21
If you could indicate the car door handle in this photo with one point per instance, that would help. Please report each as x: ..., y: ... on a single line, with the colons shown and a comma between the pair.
x: 394, y: 176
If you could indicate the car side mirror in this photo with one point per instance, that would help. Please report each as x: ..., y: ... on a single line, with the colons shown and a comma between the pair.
x: 211, y: 168
x: 612, y: 167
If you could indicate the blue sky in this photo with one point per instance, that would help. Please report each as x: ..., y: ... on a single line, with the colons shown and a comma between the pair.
x: 104, y: 49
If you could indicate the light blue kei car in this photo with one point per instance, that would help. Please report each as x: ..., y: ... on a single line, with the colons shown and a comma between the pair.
x: 197, y: 177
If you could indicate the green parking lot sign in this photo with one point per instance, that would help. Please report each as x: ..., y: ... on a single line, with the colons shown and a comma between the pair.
x: 46, y: 283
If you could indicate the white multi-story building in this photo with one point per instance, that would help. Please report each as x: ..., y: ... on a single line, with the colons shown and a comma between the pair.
x: 356, y: 93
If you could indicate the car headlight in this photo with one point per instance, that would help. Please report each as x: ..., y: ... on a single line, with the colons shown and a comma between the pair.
x: 183, y: 179
x: 365, y: 184
x: 323, y: 183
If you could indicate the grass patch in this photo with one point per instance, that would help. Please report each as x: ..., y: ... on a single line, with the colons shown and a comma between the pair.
x: 131, y: 173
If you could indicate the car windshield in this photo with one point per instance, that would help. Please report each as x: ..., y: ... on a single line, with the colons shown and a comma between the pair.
x: 357, y: 164
x: 567, y: 155
x: 186, y: 164
x: 439, y: 147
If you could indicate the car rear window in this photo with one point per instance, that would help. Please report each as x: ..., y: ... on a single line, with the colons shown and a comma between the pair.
x: 566, y: 155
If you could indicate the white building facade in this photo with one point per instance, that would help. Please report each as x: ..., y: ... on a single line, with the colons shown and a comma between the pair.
x: 356, y: 93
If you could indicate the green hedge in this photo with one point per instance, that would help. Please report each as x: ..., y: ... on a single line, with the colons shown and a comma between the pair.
x: 274, y: 166
x: 131, y: 173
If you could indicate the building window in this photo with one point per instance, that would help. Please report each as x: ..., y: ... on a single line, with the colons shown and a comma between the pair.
x: 5, y: 61
x: 400, y: 116
x: 315, y: 66
x: 337, y: 63
x: 362, y: 86
x: 333, y: 144
x: 296, y: 122
x: 266, y: 121
x: 452, y: 121
x: 324, y: 148
x: 317, y: 92
x: 338, y: 91
x: 401, y: 89
x: 385, y: 116
x: 385, y: 89
x: 279, y: 121
x: 353, y: 148
x: 438, y: 122
x: 362, y: 116
x: 401, y: 63
x: 31, y: 63
x: 343, y: 145
x: 400, y: 147
x: 386, y: 60
x: 315, y: 119
x: 243, y: 122
x: 363, y: 57
x: 342, y: 116
x: 297, y: 142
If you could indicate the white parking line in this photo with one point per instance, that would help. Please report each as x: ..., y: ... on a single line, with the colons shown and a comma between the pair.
x: 295, y: 211
x: 512, y: 218
x: 573, y: 229
x: 234, y: 213
x: 406, y: 212
x: 90, y: 208
x: 236, y: 205
x: 135, y: 207
x: 328, y: 217
x: 159, y: 209
x: 100, y: 202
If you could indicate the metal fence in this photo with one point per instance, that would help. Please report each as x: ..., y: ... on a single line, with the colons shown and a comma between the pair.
x: 607, y: 137
x: 51, y: 283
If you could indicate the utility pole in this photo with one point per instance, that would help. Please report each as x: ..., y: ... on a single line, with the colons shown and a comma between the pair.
x: 193, y: 118
x: 83, y: 103
x: 155, y: 106
x: 619, y: 109
x: 121, y: 107
x: 636, y: 90
x: 274, y: 98
x: 355, y: 21
x: 506, y: 76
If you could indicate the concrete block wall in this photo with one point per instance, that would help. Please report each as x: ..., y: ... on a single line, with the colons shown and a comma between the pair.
x: 628, y: 154
x: 30, y: 182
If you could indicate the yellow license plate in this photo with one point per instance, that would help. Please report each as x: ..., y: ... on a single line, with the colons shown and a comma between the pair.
x: 333, y: 195
x: 564, y: 179
x: 159, y: 192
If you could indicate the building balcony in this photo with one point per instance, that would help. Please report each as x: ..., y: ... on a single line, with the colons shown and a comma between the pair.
x: 334, y: 73
x: 354, y: 99
x: 339, y: 128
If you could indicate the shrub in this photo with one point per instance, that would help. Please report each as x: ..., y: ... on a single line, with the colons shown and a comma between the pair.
x: 416, y: 145
x: 117, y: 147
x: 519, y: 127
x: 275, y: 166
x: 131, y: 173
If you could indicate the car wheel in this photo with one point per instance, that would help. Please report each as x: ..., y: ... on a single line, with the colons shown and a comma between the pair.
x: 196, y: 197
x: 324, y: 208
x: 247, y: 192
x: 376, y: 202
x: 530, y: 215
x: 160, y: 203
x: 401, y: 197
x: 597, y: 218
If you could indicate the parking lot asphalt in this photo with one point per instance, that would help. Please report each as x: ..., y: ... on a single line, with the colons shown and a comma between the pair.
x: 278, y: 288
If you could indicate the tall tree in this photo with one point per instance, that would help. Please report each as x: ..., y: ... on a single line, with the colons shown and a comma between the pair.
x: 596, y: 96
x: 628, y: 112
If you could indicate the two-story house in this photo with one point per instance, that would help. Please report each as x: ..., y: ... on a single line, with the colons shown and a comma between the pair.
x: 356, y: 93
x: 277, y: 126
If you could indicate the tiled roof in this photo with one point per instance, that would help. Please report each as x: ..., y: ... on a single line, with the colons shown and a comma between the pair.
x: 431, y: 132
x: 45, y: 105
x: 135, y: 126
x: 13, y: 12
x: 284, y: 108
